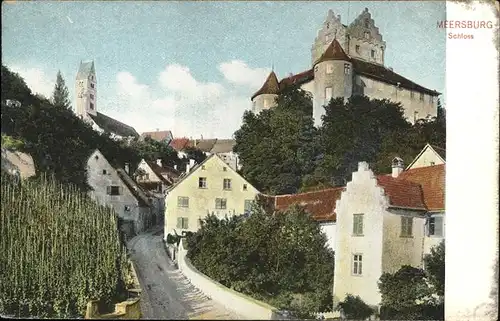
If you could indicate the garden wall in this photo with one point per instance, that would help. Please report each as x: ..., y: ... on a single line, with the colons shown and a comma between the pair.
x: 241, y: 304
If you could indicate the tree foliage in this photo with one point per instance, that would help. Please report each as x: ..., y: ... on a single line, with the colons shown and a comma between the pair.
x: 354, y: 308
x: 281, y: 258
x: 60, y: 95
x: 278, y: 147
x: 435, y: 268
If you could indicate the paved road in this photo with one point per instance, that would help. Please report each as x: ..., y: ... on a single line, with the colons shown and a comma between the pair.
x: 166, y: 293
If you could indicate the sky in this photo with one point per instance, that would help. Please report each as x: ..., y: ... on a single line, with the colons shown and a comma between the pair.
x: 191, y: 67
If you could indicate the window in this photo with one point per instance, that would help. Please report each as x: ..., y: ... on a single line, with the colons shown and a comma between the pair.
x: 127, y: 208
x: 91, y: 106
x: 328, y: 38
x: 357, y: 48
x: 182, y: 223
x: 431, y: 99
x: 202, y: 182
x: 248, y: 206
x: 329, y: 68
x: 433, y: 163
x: 328, y: 93
x: 113, y: 190
x: 367, y: 23
x: 373, y: 53
x: 224, y: 168
x: 104, y: 172
x: 266, y: 103
x: 91, y: 96
x: 421, y: 97
x: 347, y: 69
x: 245, y: 187
x: 220, y: 203
x: 91, y: 85
x: 357, y: 224
x: 203, y: 167
x: 367, y: 35
x: 406, y: 226
x: 412, y: 94
x: 435, y: 226
x: 182, y: 201
x: 327, y: 25
x: 227, y: 183
x: 357, y: 264
x: 316, y: 69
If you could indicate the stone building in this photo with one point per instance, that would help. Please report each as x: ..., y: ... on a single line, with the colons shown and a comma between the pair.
x: 86, y: 105
x: 346, y: 61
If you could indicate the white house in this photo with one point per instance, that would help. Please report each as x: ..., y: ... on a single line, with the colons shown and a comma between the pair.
x: 209, y: 187
x: 429, y: 156
x: 384, y: 222
x: 115, y: 188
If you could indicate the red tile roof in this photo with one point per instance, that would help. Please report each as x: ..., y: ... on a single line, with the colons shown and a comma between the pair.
x: 402, y: 193
x: 161, y: 172
x: 320, y: 204
x: 432, y: 181
x: 180, y: 143
x: 270, y: 86
x: 297, y: 79
x: 333, y: 52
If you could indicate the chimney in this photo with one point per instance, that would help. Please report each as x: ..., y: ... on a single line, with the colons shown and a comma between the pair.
x: 397, y: 166
x: 126, y: 168
x: 158, y: 162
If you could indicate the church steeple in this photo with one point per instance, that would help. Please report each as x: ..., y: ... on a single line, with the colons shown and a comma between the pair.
x: 86, y: 90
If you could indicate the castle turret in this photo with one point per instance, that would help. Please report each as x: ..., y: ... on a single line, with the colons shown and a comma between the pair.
x: 86, y: 90
x: 333, y: 77
x: 265, y: 97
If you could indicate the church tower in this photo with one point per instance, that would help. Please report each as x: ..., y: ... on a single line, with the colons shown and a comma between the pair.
x: 86, y: 91
x: 333, y: 77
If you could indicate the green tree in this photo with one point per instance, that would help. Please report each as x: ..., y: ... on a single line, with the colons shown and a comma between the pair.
x: 281, y: 258
x: 60, y: 96
x: 354, y: 308
x: 435, y: 268
x: 277, y: 147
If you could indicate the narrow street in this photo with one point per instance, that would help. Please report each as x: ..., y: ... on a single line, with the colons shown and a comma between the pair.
x: 166, y: 293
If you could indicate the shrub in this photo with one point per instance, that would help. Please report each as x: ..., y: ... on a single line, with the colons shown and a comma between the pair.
x: 354, y: 308
x: 58, y: 250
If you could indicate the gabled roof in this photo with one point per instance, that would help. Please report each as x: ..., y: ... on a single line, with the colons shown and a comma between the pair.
x: 85, y: 69
x: 402, y: 193
x: 166, y: 174
x: 157, y: 171
x: 179, y: 144
x: 197, y: 166
x: 432, y: 182
x: 223, y: 146
x: 440, y: 152
x: 164, y: 135
x: 381, y: 73
x: 134, y: 188
x: 271, y: 86
x: 319, y: 204
x: 205, y: 145
x: 333, y: 52
x: 113, y: 126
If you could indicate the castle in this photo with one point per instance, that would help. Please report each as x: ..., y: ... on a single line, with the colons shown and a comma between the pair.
x: 346, y: 61
x: 86, y: 105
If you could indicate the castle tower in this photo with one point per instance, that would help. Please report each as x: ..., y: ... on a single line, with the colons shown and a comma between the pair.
x: 86, y: 90
x: 265, y: 97
x: 333, y: 77
x: 332, y: 29
x: 364, y: 40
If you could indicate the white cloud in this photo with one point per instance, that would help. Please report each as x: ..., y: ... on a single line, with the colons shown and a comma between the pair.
x: 36, y: 79
x: 183, y: 104
x: 240, y: 73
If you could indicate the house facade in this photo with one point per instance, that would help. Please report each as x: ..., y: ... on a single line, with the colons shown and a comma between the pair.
x: 211, y: 187
x: 347, y: 61
x: 115, y: 188
x: 384, y: 222
x: 86, y: 105
x: 429, y: 156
